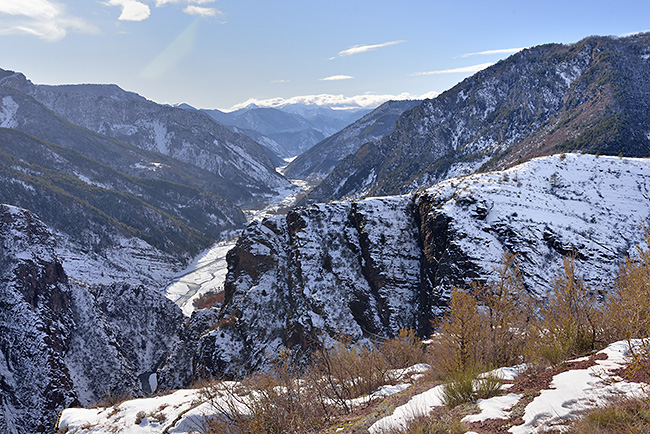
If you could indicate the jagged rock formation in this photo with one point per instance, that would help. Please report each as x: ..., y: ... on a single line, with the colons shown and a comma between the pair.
x: 35, y: 325
x: 373, y: 266
x: 592, y: 96
x: 320, y: 160
x: 64, y: 344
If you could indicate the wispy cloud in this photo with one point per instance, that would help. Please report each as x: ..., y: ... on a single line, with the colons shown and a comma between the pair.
x: 191, y: 7
x: 280, y: 81
x: 339, y: 102
x: 490, y: 52
x: 465, y: 69
x: 357, y: 49
x: 132, y: 10
x: 202, y: 11
x: 196, y: 2
x: 42, y: 18
x: 625, y: 35
x: 336, y: 77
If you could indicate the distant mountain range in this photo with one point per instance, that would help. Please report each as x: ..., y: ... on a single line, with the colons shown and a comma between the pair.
x: 318, y: 161
x: 285, y: 131
x: 592, y: 96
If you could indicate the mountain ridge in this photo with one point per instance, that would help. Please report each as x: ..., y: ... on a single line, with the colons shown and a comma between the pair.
x: 552, y: 98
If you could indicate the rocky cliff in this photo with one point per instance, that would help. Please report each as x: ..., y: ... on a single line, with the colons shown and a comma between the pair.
x: 64, y: 344
x: 370, y: 267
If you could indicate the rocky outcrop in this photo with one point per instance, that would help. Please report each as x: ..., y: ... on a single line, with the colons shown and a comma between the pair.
x: 362, y: 269
x: 35, y: 326
x: 63, y: 343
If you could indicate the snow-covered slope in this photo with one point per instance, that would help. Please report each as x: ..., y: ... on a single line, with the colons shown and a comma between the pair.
x: 570, y: 394
x: 63, y: 343
x: 320, y: 160
x: 376, y: 265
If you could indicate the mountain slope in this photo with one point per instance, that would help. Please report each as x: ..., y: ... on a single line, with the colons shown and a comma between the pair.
x: 241, y: 165
x: 115, y: 207
x: 588, y: 96
x: 370, y: 267
x: 320, y: 160
x: 63, y: 343
x: 286, y: 131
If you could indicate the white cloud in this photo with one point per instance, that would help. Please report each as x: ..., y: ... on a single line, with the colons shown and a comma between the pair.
x: 202, y: 11
x: 490, y: 52
x: 196, y: 2
x: 132, y: 10
x: 45, y: 19
x: 625, y: 35
x: 364, y: 48
x: 280, y: 81
x: 336, y: 77
x: 339, y: 102
x: 465, y: 69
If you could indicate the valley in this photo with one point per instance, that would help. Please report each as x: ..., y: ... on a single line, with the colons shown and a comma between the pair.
x: 155, y: 253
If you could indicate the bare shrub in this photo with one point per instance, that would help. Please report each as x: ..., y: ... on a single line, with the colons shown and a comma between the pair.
x: 402, y: 351
x: 348, y: 371
x: 487, y: 326
x: 628, y: 309
x: 571, y: 320
x: 275, y: 402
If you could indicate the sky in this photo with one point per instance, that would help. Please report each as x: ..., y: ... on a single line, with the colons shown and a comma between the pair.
x: 228, y: 53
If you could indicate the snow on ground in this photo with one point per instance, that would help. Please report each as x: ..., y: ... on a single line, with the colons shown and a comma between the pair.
x: 207, y: 272
x: 132, y: 260
x: 571, y: 393
x: 419, y: 405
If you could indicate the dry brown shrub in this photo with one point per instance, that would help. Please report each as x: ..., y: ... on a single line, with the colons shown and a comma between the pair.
x: 487, y: 326
x: 348, y: 371
x: 571, y: 320
x: 276, y: 402
x: 626, y: 415
x: 404, y: 350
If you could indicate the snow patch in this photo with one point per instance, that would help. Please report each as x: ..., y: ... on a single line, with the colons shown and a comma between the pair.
x: 8, y: 113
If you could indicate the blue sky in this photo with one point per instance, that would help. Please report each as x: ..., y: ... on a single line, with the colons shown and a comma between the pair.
x: 217, y: 54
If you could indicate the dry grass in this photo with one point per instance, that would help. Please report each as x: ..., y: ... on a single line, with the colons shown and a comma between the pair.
x: 624, y: 416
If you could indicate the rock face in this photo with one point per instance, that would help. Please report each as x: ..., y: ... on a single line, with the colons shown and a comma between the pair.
x: 318, y: 161
x: 65, y: 344
x: 591, y: 96
x: 373, y: 266
x: 35, y: 325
